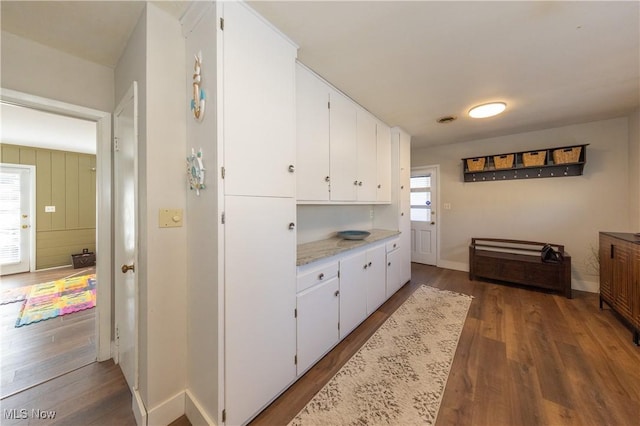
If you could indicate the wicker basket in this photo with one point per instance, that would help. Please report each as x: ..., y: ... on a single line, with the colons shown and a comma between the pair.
x: 476, y: 164
x: 534, y: 158
x: 504, y: 161
x: 567, y: 155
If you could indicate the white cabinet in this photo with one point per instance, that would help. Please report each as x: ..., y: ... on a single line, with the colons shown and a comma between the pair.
x: 258, y: 106
x: 362, y: 286
x: 312, y: 135
x: 375, y: 278
x: 343, y: 147
x: 383, y: 169
x: 394, y: 270
x: 343, y: 152
x: 366, y: 174
x: 317, y: 316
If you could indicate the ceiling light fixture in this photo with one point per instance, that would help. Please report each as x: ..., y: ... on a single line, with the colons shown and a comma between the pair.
x: 487, y: 110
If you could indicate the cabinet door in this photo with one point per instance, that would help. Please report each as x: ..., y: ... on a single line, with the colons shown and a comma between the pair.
x: 606, y: 268
x: 258, y: 106
x: 366, y: 156
x: 375, y: 278
x: 394, y: 280
x: 312, y: 139
x: 353, y: 292
x: 405, y: 205
x: 260, y: 299
x: 343, y: 148
x: 622, y: 284
x: 635, y: 282
x: 317, y: 322
x: 383, y: 158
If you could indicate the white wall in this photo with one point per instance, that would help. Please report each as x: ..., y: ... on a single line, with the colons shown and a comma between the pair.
x: 634, y: 170
x: 36, y: 69
x: 317, y: 222
x: 154, y: 57
x: 563, y: 210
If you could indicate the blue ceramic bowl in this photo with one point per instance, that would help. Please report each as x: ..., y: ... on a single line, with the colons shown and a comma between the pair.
x: 353, y: 235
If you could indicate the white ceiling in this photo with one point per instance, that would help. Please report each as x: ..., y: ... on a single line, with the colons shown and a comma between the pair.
x: 409, y: 63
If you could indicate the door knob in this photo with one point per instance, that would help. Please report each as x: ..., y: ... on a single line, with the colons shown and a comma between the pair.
x: 433, y: 223
x: 127, y: 268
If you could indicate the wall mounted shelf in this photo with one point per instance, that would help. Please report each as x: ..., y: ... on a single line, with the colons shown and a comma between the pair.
x: 548, y: 162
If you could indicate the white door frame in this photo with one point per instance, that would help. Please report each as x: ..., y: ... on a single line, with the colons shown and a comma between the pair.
x: 438, y: 209
x: 103, y: 202
x: 32, y: 210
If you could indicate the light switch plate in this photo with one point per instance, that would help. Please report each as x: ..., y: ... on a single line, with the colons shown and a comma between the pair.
x: 49, y: 209
x: 170, y: 218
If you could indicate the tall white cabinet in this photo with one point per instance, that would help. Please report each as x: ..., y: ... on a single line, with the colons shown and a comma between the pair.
x: 248, y: 140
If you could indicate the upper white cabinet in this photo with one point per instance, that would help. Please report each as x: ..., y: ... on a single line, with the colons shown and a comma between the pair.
x: 259, y: 106
x: 383, y: 169
x: 367, y: 176
x: 343, y: 147
x: 312, y: 134
x: 343, y: 152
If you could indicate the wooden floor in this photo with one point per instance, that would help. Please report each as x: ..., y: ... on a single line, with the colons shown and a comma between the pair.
x: 38, y: 352
x: 524, y: 358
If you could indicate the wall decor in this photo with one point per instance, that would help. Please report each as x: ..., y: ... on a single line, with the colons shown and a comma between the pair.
x: 195, y: 171
x: 199, y: 98
x: 540, y: 163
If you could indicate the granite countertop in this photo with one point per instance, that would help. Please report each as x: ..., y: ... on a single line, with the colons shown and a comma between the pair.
x: 316, y: 250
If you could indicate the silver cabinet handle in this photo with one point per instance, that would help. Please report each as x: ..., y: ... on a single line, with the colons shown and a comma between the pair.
x: 359, y: 183
x: 365, y: 266
x: 321, y: 276
x: 327, y: 179
x: 337, y: 293
x: 355, y: 182
x: 369, y: 264
x: 291, y: 168
x: 292, y: 225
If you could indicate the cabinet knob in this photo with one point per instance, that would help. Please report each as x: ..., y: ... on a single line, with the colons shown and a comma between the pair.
x: 291, y: 168
x: 359, y: 183
x: 337, y: 293
x: 327, y: 179
x: 369, y: 265
x: 321, y: 276
x: 402, y: 214
x: 402, y: 187
x: 365, y: 266
x: 292, y: 225
x: 379, y: 186
x: 394, y: 246
x: 355, y: 182
x: 389, y: 264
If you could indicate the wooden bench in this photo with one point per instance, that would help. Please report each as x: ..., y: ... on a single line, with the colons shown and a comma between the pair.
x: 519, y: 262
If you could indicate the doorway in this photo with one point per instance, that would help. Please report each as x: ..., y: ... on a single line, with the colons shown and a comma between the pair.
x: 101, y: 325
x: 424, y: 223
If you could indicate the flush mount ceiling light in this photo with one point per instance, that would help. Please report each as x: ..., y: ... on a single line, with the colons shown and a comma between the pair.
x: 487, y: 110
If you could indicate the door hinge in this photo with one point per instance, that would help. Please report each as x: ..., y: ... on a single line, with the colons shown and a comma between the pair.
x: 222, y: 24
x: 117, y: 333
x: 116, y: 145
x: 222, y: 220
x: 224, y: 416
x: 338, y: 274
x: 222, y: 172
x: 329, y: 105
x: 295, y: 359
x: 295, y: 313
x: 338, y: 325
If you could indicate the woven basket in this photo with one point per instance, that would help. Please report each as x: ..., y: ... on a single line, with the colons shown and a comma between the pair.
x: 567, y: 155
x: 476, y: 164
x: 503, y: 161
x: 534, y: 158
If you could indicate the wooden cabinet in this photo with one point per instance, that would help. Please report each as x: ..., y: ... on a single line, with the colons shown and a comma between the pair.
x: 620, y: 276
x: 317, y: 314
x: 312, y: 135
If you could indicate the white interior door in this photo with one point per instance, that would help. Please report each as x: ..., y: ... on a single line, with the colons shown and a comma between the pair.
x: 423, y: 215
x: 17, y: 201
x: 126, y: 231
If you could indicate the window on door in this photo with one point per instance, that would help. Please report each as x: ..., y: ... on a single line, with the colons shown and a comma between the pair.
x: 421, y: 198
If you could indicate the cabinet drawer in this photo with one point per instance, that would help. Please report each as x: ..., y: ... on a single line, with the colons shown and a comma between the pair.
x: 393, y: 245
x: 312, y: 275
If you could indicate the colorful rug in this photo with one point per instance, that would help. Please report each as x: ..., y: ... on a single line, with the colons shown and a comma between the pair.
x: 57, y: 298
x: 399, y: 375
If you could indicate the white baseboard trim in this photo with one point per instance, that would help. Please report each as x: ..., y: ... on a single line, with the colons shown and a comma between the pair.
x: 196, y: 413
x: 139, y: 411
x: 590, y: 286
x: 456, y: 266
x: 167, y: 411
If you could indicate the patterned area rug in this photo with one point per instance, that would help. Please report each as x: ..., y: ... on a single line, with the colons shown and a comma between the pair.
x: 57, y: 298
x: 399, y: 375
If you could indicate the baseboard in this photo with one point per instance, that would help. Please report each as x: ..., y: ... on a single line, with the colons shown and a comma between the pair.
x: 195, y: 412
x: 139, y: 412
x: 589, y: 286
x: 456, y: 266
x: 167, y: 411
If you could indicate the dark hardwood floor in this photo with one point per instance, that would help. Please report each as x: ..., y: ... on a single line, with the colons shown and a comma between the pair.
x: 525, y: 357
x: 38, y: 352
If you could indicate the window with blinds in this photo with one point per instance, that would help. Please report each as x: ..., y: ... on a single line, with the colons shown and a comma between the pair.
x: 9, y: 218
x: 421, y: 198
